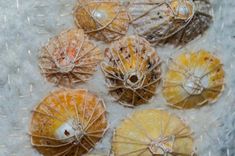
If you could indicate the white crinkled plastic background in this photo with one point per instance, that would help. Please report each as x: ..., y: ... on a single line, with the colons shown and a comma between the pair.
x: 26, y: 25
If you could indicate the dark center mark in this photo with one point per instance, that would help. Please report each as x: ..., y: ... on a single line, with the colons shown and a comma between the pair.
x: 66, y: 133
x: 133, y: 78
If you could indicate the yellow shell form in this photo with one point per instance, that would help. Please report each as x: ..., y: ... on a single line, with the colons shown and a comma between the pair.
x: 170, y: 21
x: 132, y: 70
x: 68, y: 122
x: 105, y: 20
x: 193, y: 79
x: 152, y: 132
x: 69, y: 58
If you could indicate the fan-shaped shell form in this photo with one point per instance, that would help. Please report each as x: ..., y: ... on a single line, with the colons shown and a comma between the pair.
x: 152, y: 132
x: 68, y: 122
x: 132, y: 70
x: 193, y: 79
x: 170, y: 21
x: 69, y: 58
x: 106, y: 20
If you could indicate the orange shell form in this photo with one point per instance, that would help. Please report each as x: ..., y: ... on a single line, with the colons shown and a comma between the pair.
x: 170, y: 21
x: 68, y: 122
x: 69, y: 58
x: 105, y: 20
x: 132, y: 70
x: 153, y: 132
x: 193, y: 79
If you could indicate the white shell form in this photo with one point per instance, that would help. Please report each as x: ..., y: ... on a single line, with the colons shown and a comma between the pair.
x: 170, y: 21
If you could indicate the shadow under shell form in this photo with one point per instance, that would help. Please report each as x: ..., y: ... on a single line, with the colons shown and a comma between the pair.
x: 193, y: 79
x: 69, y: 58
x: 132, y: 70
x: 170, y: 21
x: 68, y: 122
x: 153, y: 132
x: 105, y: 20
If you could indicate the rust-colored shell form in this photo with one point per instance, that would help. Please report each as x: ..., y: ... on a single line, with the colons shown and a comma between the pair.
x: 69, y: 58
x: 132, y: 70
x: 68, y: 122
x: 193, y: 79
x: 153, y: 132
x: 170, y: 21
x: 106, y: 20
